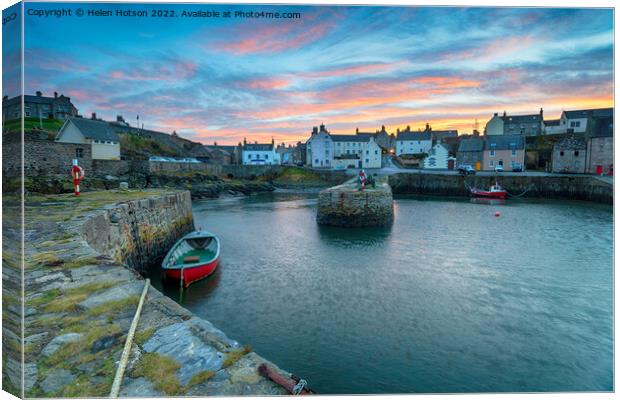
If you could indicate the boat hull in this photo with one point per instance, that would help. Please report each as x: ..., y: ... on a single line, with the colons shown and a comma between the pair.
x: 489, y: 195
x: 192, y: 274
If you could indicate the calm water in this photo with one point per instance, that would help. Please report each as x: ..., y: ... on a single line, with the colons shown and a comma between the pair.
x: 449, y: 299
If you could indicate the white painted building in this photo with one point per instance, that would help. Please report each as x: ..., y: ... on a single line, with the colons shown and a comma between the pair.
x: 260, y: 154
x: 408, y: 143
x: 576, y: 121
x: 104, y: 142
x: 437, y: 157
x: 495, y: 126
x: 320, y: 149
x: 356, y: 151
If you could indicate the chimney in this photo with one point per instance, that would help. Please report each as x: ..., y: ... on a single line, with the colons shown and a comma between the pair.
x: 273, y: 141
x: 408, y: 128
x: 244, y: 142
x: 94, y: 116
x: 315, y: 130
x: 357, y: 130
x: 215, y: 143
x: 428, y: 127
x: 322, y: 127
x: 382, y: 128
x: 39, y: 94
x: 541, y: 112
x: 5, y: 98
x: 495, y: 115
x: 55, y: 95
x: 504, y: 113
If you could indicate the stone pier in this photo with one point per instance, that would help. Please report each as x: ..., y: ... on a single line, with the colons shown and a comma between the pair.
x: 82, y: 257
x: 347, y: 206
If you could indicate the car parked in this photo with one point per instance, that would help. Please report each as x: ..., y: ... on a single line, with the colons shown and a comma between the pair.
x: 517, y: 167
x: 499, y: 168
x: 466, y: 169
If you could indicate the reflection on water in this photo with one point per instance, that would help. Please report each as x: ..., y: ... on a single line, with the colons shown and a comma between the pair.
x: 450, y: 298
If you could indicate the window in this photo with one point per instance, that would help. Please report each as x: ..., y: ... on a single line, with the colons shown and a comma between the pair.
x: 249, y: 156
x: 514, y: 152
x: 575, y: 124
x: 367, y: 152
x: 492, y: 153
x: 491, y: 163
x: 366, y: 161
x: 561, y: 154
x: 316, y: 161
x: 576, y: 153
x: 266, y: 156
x: 376, y: 151
x: 79, y: 153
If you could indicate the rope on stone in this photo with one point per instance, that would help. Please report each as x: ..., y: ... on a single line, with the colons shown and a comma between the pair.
x: 301, y: 385
x: 522, y: 193
x: 120, y: 371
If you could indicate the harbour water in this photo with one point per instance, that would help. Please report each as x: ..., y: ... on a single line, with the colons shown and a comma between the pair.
x: 448, y: 299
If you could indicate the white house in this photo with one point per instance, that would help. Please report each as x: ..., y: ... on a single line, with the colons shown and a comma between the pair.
x: 320, y: 149
x: 356, y: 151
x: 408, y: 142
x: 104, y: 142
x: 576, y: 121
x: 437, y: 157
x: 259, y: 154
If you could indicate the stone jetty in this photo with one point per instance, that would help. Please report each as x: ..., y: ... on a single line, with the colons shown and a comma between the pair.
x: 81, y: 291
x: 347, y: 206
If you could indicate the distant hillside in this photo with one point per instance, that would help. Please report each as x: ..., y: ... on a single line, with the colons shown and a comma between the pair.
x: 143, y: 143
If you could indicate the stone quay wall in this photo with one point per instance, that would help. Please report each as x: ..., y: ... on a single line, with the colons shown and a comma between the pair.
x: 346, y: 206
x: 43, y: 157
x: 137, y: 232
x: 587, y: 188
x: 80, y: 300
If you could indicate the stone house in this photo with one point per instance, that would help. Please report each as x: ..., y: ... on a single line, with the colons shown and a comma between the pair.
x: 99, y: 135
x: 382, y: 138
x: 356, y: 151
x: 470, y: 152
x: 219, y: 155
x: 410, y: 143
x: 525, y: 125
x: 569, y: 155
x: 260, y: 153
x: 285, y: 154
x: 39, y: 106
x: 437, y: 157
x: 600, y: 142
x: 320, y: 148
x: 503, y: 150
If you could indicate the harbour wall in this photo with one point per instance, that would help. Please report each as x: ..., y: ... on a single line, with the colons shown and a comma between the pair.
x: 82, y: 258
x: 347, y: 206
x: 587, y: 188
x: 136, y: 232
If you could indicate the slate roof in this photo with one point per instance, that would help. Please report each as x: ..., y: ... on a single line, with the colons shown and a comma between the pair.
x: 440, y: 135
x: 471, y: 145
x: 402, y: 136
x: 93, y: 129
x: 258, y: 147
x: 350, y: 138
x: 504, y: 142
x: 595, y: 112
x: 602, y: 127
x: 522, y: 119
x: 552, y: 122
x: 229, y: 149
x: 35, y: 99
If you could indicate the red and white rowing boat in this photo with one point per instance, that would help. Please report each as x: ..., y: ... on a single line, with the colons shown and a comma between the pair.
x: 195, y: 256
x: 494, y: 192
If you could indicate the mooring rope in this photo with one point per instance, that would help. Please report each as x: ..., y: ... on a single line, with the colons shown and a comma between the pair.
x: 522, y: 193
x: 118, y: 378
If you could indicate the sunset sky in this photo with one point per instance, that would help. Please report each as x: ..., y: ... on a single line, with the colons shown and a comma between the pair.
x: 223, y: 79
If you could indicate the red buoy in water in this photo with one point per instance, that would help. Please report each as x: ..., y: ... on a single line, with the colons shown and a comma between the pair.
x: 497, y: 214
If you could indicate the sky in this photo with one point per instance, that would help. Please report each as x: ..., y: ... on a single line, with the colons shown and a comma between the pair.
x: 225, y: 79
